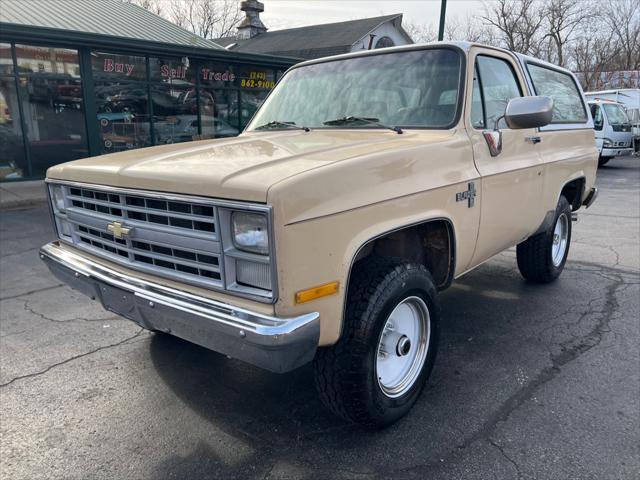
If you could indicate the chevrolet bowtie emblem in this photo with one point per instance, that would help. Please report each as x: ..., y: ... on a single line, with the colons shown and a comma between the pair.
x: 118, y: 229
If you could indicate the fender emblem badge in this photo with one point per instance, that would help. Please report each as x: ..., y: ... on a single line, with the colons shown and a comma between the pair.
x: 469, y: 195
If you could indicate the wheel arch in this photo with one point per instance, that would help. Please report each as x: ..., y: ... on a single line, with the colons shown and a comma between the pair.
x: 437, y: 227
x: 361, y: 253
x: 573, y: 190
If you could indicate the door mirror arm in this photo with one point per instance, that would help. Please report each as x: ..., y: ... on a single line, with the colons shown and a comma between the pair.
x: 521, y: 113
x: 494, y: 138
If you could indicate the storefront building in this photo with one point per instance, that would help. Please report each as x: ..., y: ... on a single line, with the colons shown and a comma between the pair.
x: 68, y: 94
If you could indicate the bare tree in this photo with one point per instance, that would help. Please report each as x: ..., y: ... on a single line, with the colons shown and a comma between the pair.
x: 206, y: 18
x: 591, y: 53
x: 518, y: 22
x: 623, y: 19
x: 154, y: 6
x: 421, y: 32
x: 563, y: 18
x: 470, y: 28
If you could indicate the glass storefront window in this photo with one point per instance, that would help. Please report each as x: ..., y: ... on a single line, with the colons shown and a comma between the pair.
x: 123, y: 116
x: 140, y: 101
x: 255, y: 78
x: 13, y: 163
x: 250, y: 101
x: 217, y: 75
x: 176, y: 71
x: 112, y: 66
x: 219, y: 113
x: 61, y: 62
x: 6, y: 59
x: 175, y: 113
x: 52, y: 104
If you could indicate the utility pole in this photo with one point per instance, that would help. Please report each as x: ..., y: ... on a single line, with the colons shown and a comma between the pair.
x: 443, y: 11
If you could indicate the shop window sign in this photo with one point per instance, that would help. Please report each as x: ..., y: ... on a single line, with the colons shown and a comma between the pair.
x: 217, y: 75
x: 254, y: 78
x: 111, y: 66
x: 114, y: 66
x: 168, y: 70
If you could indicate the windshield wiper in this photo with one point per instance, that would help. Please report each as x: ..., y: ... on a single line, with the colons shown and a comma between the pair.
x: 352, y: 119
x: 278, y: 124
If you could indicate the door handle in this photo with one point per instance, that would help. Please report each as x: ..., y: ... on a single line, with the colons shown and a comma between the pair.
x: 533, y: 140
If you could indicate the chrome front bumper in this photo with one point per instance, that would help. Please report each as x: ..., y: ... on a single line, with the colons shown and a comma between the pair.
x: 273, y: 343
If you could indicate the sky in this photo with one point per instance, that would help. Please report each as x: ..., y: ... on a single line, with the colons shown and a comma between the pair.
x: 298, y: 13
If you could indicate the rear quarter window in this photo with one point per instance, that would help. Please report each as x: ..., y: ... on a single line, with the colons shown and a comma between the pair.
x: 560, y: 86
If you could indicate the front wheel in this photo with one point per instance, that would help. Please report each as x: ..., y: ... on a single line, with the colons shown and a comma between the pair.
x: 376, y: 371
x: 603, y: 160
x: 541, y: 258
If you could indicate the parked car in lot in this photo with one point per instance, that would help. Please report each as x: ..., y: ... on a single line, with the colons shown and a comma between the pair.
x: 629, y: 98
x: 363, y: 186
x: 612, y: 130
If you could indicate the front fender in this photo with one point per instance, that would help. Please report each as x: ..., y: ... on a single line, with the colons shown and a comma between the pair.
x: 322, y: 250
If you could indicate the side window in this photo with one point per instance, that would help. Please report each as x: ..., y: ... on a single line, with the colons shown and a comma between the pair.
x: 477, y: 108
x: 499, y: 84
x: 596, y: 113
x: 567, y: 101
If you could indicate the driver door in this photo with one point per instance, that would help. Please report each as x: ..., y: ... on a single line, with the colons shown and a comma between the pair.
x: 511, y: 186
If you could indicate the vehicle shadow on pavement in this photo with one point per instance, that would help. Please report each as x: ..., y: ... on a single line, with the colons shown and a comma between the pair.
x: 490, y: 345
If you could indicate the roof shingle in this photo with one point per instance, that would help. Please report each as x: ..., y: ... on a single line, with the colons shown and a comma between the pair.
x: 101, y: 17
x: 314, y: 41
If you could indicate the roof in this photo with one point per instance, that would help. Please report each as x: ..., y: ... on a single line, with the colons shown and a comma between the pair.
x: 110, y: 18
x: 462, y: 46
x: 314, y: 41
x: 615, y: 90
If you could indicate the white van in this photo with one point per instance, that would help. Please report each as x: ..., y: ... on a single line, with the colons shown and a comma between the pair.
x: 613, y: 130
x: 630, y: 99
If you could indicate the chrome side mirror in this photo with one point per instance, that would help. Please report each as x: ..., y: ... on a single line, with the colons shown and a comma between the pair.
x: 521, y: 112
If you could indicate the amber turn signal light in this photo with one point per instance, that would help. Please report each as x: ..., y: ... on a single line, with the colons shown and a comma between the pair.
x: 320, y: 291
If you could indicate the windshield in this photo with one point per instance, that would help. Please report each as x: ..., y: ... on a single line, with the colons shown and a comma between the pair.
x: 615, y: 114
x: 416, y: 88
x: 634, y: 115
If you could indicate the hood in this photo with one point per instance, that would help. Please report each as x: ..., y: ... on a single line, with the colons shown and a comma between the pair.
x: 241, y: 168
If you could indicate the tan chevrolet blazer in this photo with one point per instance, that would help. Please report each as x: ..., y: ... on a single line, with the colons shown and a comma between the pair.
x: 365, y: 184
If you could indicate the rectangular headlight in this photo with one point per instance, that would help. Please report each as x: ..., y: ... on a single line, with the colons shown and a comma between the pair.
x: 58, y: 209
x: 250, y: 232
x: 57, y: 197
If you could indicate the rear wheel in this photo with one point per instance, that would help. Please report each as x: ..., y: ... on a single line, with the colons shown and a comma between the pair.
x: 376, y: 371
x: 541, y: 258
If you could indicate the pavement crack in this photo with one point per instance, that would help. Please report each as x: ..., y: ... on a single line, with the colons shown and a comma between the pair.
x: 500, y: 448
x: 569, y: 352
x: 53, y: 287
x: 75, y: 357
x: 31, y: 310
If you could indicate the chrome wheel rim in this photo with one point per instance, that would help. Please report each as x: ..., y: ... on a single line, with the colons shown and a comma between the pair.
x: 560, y: 240
x: 403, y: 346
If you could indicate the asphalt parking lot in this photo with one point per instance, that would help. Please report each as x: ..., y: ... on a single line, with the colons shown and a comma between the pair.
x: 531, y: 381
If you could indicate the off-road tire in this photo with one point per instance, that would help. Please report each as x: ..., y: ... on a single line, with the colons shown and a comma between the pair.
x: 534, y: 254
x: 345, y: 373
x: 603, y: 161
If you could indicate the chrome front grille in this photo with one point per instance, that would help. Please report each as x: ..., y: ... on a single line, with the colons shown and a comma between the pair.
x: 171, y: 238
x: 175, y: 215
x: 201, y: 265
x: 183, y: 238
